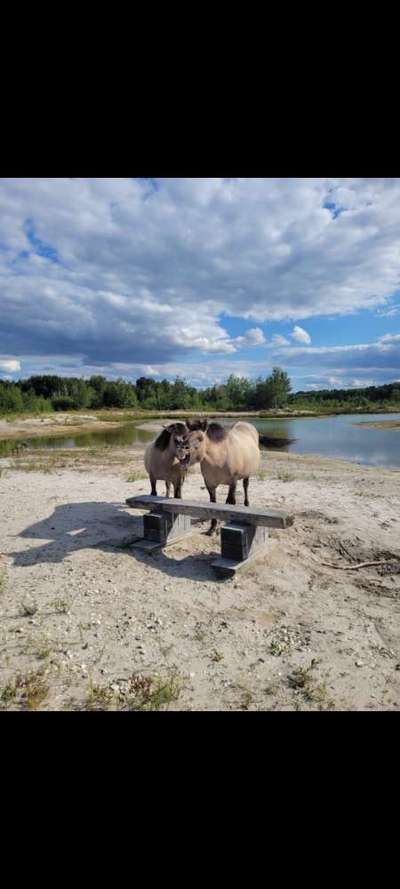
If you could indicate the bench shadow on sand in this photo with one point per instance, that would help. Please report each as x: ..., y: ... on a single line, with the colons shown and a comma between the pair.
x: 107, y: 527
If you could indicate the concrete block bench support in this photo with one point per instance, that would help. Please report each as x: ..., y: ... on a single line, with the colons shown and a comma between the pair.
x: 243, y: 536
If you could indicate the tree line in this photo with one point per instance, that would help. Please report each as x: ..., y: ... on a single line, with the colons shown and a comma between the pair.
x: 40, y: 394
x: 43, y: 393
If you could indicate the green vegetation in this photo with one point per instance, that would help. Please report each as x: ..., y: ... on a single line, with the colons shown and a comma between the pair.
x: 29, y: 690
x: 153, y: 693
x: 142, y: 693
x: 372, y: 398
x: 3, y: 580
x: 41, y: 394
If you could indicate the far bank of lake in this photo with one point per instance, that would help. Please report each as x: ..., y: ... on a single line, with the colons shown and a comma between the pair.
x: 365, y: 439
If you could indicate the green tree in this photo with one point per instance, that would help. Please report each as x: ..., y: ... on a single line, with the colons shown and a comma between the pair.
x: 279, y: 387
x: 11, y: 400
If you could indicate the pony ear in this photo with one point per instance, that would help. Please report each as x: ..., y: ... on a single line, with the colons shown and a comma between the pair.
x: 197, y: 425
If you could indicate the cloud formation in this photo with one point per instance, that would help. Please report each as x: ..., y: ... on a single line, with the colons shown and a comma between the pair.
x: 301, y: 335
x: 140, y: 273
x: 9, y: 366
x: 278, y: 340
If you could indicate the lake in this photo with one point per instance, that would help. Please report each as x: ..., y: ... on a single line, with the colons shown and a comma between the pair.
x: 325, y: 436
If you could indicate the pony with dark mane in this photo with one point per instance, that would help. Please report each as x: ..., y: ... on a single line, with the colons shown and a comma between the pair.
x: 168, y: 458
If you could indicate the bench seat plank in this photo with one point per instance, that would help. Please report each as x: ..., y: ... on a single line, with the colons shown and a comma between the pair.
x: 269, y: 518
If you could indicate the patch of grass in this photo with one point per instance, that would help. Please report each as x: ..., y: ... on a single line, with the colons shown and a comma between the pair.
x: 316, y: 693
x: 137, y: 476
x: 152, y: 693
x: 262, y: 476
x: 32, y: 466
x: 8, y: 693
x: 3, y: 580
x: 61, y: 606
x: 199, y: 633
x: 301, y: 677
x: 246, y: 697
x: 286, y: 476
x: 277, y: 648
x: 98, y: 697
x: 39, y: 648
x: 217, y: 656
x: 43, y: 651
x: 32, y: 688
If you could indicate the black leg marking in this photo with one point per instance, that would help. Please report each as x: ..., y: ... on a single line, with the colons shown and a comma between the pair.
x: 246, y: 482
x: 213, y: 497
x: 231, y: 501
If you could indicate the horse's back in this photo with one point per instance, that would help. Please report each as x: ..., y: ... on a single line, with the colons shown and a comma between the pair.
x: 243, y: 451
x: 247, y: 429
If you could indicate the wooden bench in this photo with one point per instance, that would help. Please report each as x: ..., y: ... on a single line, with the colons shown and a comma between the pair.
x: 243, y: 536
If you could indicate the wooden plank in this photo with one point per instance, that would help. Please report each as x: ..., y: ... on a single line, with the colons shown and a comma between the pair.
x: 269, y: 518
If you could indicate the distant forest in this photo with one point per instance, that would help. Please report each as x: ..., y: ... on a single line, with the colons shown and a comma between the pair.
x: 40, y: 394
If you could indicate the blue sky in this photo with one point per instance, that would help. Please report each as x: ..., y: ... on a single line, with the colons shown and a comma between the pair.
x: 201, y: 278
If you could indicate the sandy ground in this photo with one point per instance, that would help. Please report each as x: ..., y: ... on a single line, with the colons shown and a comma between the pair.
x: 55, y: 424
x: 87, y: 622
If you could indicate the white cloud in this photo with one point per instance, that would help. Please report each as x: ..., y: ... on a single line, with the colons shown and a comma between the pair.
x: 252, y: 337
x: 391, y: 338
x: 10, y: 365
x: 361, y: 384
x: 278, y: 340
x: 149, y: 371
x: 389, y: 312
x: 381, y: 357
x: 117, y: 270
x: 300, y: 335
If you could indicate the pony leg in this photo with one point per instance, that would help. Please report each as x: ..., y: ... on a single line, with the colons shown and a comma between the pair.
x: 153, y: 486
x: 178, y: 491
x: 232, y: 495
x: 246, y: 491
x: 213, y: 499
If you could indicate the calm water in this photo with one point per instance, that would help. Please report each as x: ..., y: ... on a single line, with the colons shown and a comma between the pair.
x: 338, y: 437
x: 328, y: 437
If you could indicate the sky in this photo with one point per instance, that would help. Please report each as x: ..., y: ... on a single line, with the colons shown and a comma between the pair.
x: 201, y: 278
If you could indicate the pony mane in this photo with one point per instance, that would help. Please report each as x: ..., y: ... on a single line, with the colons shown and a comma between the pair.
x: 216, y: 432
x: 163, y: 440
x: 197, y: 425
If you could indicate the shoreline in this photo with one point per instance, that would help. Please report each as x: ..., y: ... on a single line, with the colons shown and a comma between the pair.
x: 50, y: 425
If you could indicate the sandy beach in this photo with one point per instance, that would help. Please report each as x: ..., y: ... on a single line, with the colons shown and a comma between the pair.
x: 88, y: 622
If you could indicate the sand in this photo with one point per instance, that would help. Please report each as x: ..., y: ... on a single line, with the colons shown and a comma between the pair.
x: 81, y: 613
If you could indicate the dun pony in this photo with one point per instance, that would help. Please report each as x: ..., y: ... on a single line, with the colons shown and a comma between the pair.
x: 226, y: 455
